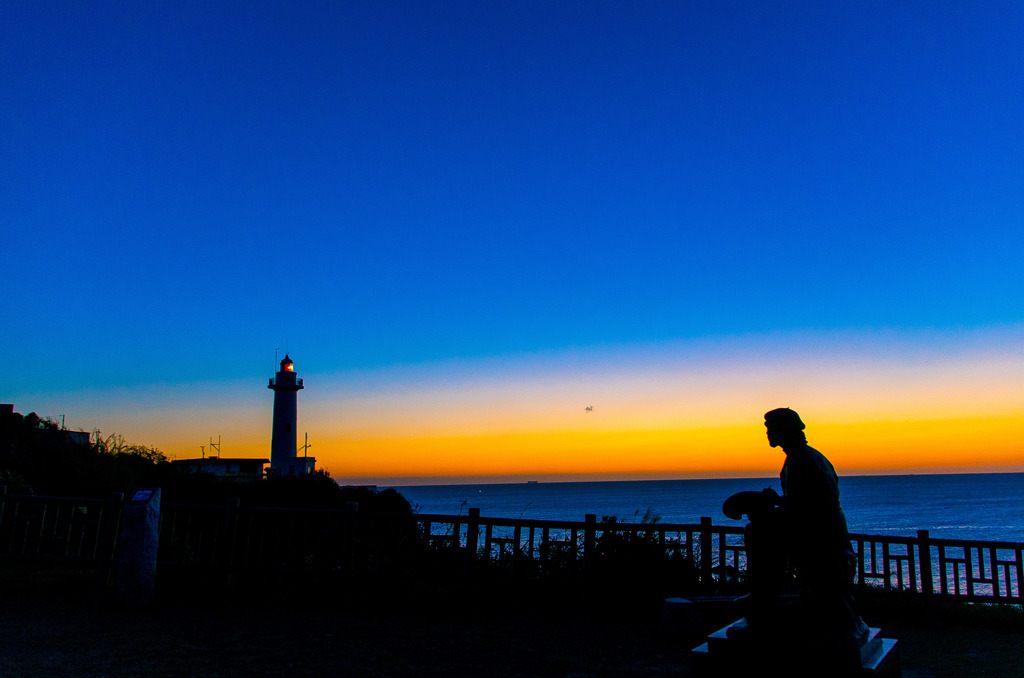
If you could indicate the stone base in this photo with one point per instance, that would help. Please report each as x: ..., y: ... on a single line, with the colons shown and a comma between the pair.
x: 722, y: 657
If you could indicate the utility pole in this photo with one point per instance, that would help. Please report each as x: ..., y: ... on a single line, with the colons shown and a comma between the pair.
x: 305, y: 446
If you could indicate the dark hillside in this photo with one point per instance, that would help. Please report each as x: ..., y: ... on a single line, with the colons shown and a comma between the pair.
x: 38, y: 457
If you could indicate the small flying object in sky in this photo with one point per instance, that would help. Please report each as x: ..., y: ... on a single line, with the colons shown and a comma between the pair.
x: 590, y: 408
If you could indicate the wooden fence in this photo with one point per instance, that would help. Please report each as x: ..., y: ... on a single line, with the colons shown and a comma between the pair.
x: 59, y: 529
x: 716, y: 552
x: 233, y: 538
x: 984, y: 571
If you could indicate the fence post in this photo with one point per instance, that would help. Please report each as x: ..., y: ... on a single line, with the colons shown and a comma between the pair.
x: 589, y: 540
x: 107, y: 538
x: 230, y: 532
x: 472, y: 536
x: 706, y: 550
x: 924, y: 552
x: 349, y: 539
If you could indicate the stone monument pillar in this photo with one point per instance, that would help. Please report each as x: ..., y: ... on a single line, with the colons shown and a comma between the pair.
x: 140, y: 538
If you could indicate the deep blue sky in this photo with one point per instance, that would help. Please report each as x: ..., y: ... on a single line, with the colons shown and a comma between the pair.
x: 186, y: 186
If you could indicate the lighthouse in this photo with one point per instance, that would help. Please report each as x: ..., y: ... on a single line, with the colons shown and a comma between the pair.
x: 284, y: 460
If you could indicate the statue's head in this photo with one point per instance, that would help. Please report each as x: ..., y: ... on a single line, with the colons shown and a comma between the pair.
x: 784, y: 427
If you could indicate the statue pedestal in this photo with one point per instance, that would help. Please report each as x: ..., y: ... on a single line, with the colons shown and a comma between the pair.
x: 721, y: 656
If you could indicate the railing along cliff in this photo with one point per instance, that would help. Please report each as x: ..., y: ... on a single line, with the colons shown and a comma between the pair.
x: 59, y: 529
x: 232, y: 538
x: 961, y: 569
x: 717, y: 553
x: 973, y: 570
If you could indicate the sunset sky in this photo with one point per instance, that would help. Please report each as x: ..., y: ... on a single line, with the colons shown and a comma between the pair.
x: 467, y: 222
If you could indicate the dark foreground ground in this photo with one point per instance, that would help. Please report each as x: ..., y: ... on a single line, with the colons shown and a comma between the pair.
x: 50, y: 628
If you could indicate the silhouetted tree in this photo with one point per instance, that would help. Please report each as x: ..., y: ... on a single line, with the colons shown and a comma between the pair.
x: 37, y: 457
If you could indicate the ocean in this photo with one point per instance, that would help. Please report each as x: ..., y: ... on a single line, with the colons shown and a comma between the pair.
x: 984, y: 506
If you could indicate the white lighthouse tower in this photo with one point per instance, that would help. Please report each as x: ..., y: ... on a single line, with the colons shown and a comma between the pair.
x: 284, y: 459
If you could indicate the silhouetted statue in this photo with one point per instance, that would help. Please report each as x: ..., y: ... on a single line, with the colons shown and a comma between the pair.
x: 805, y: 528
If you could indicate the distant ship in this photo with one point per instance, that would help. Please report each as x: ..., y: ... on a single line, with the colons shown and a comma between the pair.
x: 532, y: 482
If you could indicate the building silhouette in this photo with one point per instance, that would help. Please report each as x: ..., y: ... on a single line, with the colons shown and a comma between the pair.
x: 225, y: 468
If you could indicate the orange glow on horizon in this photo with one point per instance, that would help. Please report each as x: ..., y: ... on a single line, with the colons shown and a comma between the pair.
x: 934, y: 403
x: 855, y: 448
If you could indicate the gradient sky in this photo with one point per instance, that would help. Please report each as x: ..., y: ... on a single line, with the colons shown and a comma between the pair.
x: 468, y: 221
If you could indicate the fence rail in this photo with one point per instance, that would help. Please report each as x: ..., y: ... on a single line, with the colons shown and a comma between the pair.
x: 973, y: 570
x: 234, y: 538
x: 59, y: 529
